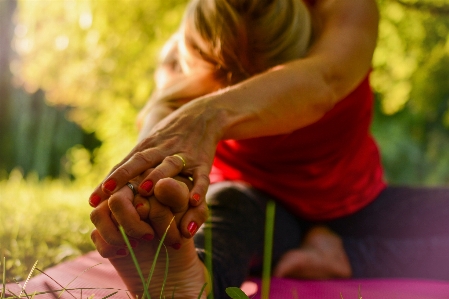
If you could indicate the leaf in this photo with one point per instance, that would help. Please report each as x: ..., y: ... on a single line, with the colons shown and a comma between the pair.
x: 236, y: 293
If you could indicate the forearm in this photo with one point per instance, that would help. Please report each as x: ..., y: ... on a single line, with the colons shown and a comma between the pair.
x: 300, y: 92
x: 150, y: 117
x: 276, y: 102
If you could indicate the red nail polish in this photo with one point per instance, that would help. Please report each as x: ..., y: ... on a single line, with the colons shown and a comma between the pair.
x: 148, y: 237
x: 192, y: 227
x: 94, y: 200
x: 110, y: 185
x: 176, y: 246
x: 139, y: 205
x: 196, y: 197
x: 147, y: 185
x: 121, y: 252
x: 133, y: 243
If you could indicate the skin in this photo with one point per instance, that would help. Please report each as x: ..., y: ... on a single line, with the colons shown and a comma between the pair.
x: 290, y: 96
x: 186, y: 275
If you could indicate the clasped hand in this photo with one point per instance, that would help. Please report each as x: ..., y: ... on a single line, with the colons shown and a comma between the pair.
x: 146, y: 218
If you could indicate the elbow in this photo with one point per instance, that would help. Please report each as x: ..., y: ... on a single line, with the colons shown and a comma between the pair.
x: 328, y: 98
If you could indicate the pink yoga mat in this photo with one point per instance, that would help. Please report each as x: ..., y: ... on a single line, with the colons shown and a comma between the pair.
x: 102, y: 280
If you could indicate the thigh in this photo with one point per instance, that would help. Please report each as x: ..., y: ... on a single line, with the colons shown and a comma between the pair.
x: 403, y: 233
x: 400, y: 212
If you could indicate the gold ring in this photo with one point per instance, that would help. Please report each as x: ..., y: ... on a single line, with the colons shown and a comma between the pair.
x: 182, y: 159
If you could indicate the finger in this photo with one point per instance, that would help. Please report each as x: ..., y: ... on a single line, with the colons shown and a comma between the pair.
x: 161, y: 219
x: 121, y: 206
x: 142, y: 206
x: 97, y: 197
x: 133, y: 167
x: 170, y: 166
x: 193, y: 219
x: 172, y: 193
x: 101, y: 218
x: 201, y: 183
x: 107, y: 250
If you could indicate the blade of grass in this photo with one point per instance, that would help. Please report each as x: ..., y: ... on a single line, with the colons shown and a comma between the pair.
x: 166, y: 270
x: 110, y: 295
x: 268, y: 248
x: 28, y: 278
x: 21, y: 289
x: 202, y: 290
x: 136, y: 263
x: 84, y: 271
x: 161, y: 242
x: 48, y: 287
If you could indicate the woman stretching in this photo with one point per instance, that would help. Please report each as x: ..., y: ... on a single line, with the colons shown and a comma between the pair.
x: 266, y: 100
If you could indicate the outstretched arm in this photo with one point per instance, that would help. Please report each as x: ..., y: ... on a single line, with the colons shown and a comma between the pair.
x: 300, y: 92
x: 281, y: 100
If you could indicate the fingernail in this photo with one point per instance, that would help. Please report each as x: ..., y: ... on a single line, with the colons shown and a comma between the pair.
x: 110, y: 185
x: 139, y: 205
x: 196, y: 197
x: 133, y: 243
x: 192, y: 227
x: 147, y: 185
x: 94, y: 200
x: 176, y: 246
x: 148, y: 237
x: 121, y: 252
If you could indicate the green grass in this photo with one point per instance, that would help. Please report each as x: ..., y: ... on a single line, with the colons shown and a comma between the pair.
x: 46, y: 221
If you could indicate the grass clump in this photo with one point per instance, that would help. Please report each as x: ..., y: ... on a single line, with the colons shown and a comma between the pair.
x: 42, y: 220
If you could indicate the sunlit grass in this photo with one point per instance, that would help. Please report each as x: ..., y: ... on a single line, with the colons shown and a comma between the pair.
x: 46, y: 221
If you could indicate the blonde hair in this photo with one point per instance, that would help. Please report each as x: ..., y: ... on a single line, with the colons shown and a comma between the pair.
x: 246, y: 37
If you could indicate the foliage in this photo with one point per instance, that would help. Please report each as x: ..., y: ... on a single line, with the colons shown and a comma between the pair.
x: 46, y: 221
x: 411, y: 79
x: 98, y: 58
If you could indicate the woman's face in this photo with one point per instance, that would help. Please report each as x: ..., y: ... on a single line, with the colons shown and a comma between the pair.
x: 181, y: 62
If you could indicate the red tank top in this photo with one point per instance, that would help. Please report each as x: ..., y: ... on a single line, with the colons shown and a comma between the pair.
x: 326, y: 170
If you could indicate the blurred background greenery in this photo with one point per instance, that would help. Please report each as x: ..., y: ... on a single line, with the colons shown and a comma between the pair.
x: 73, y: 75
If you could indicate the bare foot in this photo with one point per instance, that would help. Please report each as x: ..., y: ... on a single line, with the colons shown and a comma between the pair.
x: 186, y: 273
x: 320, y: 256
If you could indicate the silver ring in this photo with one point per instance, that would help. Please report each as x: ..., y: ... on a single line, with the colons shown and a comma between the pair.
x: 133, y: 189
x: 182, y: 159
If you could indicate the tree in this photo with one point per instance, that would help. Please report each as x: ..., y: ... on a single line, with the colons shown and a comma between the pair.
x: 98, y: 59
x: 411, y: 79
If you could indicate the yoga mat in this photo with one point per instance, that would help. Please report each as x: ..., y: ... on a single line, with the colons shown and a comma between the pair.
x: 102, y: 280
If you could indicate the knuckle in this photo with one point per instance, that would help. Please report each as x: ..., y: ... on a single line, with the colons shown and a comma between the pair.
x: 142, y: 158
x: 114, y: 203
x: 158, y: 173
x: 94, y: 217
x: 203, y: 212
x: 122, y: 172
x: 175, y: 161
x: 116, y: 166
x: 203, y: 180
